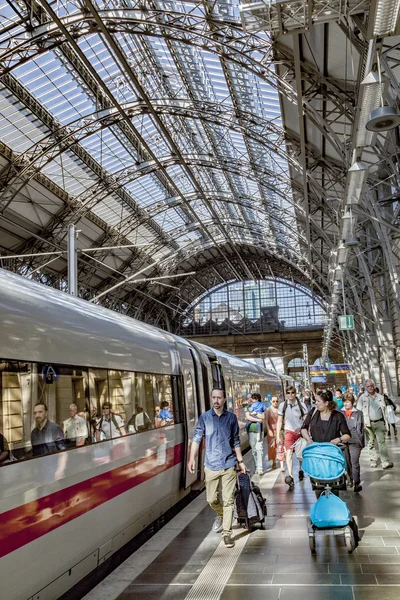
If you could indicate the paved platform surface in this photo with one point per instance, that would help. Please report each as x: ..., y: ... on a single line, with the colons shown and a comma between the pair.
x: 187, y: 560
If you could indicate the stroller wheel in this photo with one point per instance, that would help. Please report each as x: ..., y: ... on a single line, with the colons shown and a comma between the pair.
x: 311, y: 536
x: 350, y: 539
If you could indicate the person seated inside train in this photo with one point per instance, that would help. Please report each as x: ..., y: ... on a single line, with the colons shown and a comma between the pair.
x: 75, y: 428
x: 140, y: 421
x: 110, y: 425
x: 46, y: 437
x: 165, y: 416
x: 4, y: 450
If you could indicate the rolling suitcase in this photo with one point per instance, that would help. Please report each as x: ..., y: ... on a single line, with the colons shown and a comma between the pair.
x: 250, y: 505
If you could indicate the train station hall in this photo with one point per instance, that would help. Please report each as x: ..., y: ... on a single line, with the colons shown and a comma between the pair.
x: 199, y: 299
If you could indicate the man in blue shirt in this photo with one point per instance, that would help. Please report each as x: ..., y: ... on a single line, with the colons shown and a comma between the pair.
x: 221, y: 430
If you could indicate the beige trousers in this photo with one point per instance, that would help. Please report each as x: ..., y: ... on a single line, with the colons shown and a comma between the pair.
x: 227, y: 479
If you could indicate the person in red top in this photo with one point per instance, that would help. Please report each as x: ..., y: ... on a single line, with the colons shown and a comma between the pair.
x: 355, y: 423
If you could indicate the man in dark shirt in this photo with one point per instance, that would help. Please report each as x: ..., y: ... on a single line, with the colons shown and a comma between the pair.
x: 221, y: 430
x: 47, y: 436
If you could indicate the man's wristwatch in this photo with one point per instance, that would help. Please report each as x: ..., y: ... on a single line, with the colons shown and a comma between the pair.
x: 240, y: 462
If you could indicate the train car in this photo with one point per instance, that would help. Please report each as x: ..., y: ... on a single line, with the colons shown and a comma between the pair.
x: 65, y: 512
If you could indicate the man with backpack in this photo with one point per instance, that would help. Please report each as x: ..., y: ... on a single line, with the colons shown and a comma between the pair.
x: 110, y: 425
x: 291, y: 415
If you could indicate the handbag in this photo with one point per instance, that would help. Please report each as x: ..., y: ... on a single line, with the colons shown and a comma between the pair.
x: 391, y: 415
x: 280, y: 451
x: 299, y: 446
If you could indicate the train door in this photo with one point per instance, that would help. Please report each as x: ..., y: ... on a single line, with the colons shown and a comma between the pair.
x: 192, y: 407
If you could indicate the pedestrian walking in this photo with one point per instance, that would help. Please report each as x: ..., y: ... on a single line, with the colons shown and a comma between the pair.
x: 374, y: 410
x: 355, y: 423
x: 220, y: 428
x: 272, y: 421
x: 291, y: 415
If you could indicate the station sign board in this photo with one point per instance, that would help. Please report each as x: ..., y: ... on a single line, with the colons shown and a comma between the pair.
x: 331, y: 370
x: 346, y: 322
x: 318, y: 379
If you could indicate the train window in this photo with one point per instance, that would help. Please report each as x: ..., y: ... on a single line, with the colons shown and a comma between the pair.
x: 190, y: 398
x: 74, y: 398
x: 15, y: 402
x: 229, y: 394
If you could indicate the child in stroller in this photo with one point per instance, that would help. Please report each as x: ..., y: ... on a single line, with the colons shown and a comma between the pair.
x: 325, y: 464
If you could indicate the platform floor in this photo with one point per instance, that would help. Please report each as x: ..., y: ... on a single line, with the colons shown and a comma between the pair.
x: 187, y: 560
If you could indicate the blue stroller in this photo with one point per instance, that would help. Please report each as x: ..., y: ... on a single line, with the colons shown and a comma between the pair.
x: 325, y: 464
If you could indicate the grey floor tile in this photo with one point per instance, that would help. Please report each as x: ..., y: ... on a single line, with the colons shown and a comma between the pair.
x: 372, y: 593
x: 253, y: 578
x: 358, y: 579
x: 280, y: 568
x: 388, y: 579
x: 168, y: 568
x: 384, y: 559
x: 345, y: 568
x: 249, y: 569
x: 377, y: 550
x: 375, y: 568
x: 239, y: 592
x: 306, y: 579
x: 317, y: 593
x: 166, y: 578
x: 391, y: 533
x: 155, y: 592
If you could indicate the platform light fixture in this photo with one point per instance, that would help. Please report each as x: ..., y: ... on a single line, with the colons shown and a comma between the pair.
x: 383, y: 118
x: 342, y: 254
x: 351, y: 242
x: 372, y: 91
x: 387, y: 15
x: 356, y: 179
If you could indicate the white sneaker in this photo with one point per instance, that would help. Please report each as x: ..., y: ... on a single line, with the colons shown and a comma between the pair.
x: 217, y: 526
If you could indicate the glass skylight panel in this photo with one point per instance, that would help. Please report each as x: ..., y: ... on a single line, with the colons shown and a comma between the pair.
x: 107, y: 150
x: 169, y: 219
x: 69, y: 175
x: 8, y: 16
x: 19, y: 129
x: 53, y: 85
x: 146, y: 190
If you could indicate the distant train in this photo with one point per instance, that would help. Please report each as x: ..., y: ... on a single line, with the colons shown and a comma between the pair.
x: 65, y: 513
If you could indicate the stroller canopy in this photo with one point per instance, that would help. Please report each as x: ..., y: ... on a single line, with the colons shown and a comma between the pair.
x: 323, y: 461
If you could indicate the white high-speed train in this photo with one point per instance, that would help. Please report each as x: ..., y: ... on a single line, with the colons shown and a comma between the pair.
x: 64, y: 514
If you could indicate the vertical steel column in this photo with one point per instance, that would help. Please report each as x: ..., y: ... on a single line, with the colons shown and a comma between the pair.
x: 72, y: 261
x: 306, y: 369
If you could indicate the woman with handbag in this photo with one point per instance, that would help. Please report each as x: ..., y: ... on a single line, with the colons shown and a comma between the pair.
x: 272, y: 420
x: 355, y: 422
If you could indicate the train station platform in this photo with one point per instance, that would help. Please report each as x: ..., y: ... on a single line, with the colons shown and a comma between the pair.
x: 187, y: 560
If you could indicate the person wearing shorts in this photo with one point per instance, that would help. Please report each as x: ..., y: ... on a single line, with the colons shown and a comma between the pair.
x: 291, y: 415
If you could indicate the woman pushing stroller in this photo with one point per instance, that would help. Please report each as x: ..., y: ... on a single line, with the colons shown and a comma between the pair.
x: 325, y: 423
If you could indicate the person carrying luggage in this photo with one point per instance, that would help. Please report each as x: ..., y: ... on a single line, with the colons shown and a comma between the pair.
x: 220, y: 428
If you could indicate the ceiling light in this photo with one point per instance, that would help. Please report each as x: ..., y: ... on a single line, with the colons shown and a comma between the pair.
x: 387, y: 14
x: 383, y: 118
x: 356, y: 178
x: 371, y: 89
x: 351, y: 242
x: 346, y: 225
x: 342, y: 255
x: 337, y: 286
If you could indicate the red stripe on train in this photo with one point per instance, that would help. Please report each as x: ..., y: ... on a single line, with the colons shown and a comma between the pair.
x: 24, y: 524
